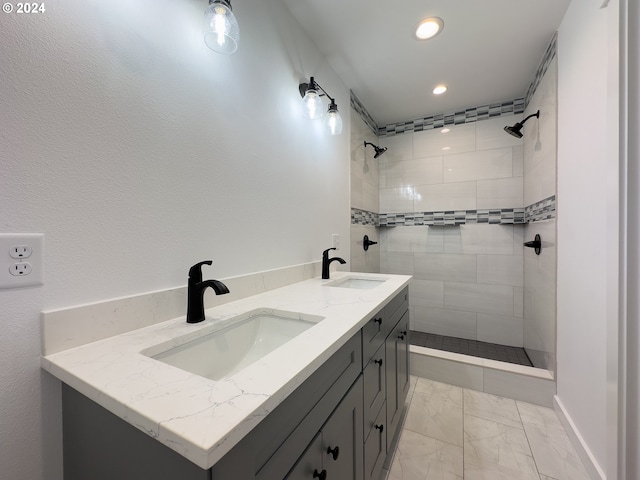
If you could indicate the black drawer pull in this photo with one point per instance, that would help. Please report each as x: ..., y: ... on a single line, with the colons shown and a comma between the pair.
x: 380, y: 427
x: 379, y: 362
x: 335, y: 452
x: 322, y: 475
x: 378, y: 320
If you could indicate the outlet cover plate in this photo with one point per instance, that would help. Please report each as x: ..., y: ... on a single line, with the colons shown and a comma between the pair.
x: 36, y: 276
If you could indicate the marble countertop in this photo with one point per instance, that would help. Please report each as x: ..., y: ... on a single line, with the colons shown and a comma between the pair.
x: 200, y: 418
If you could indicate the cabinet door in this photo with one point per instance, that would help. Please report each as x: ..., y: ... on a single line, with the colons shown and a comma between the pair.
x: 403, y: 367
x: 374, y: 389
x: 309, y: 465
x: 397, y: 372
x: 375, y: 447
x: 342, y: 438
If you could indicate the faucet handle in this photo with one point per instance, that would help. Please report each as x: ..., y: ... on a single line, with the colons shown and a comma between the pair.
x: 195, y: 272
x: 326, y: 252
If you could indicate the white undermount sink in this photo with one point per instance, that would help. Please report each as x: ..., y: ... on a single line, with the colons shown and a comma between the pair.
x: 357, y: 282
x: 225, y: 352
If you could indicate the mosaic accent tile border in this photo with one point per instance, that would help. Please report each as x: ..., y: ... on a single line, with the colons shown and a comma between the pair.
x: 363, y: 217
x: 498, y: 216
x: 360, y: 109
x: 548, y: 56
x: 542, y: 210
x: 536, y: 212
x: 469, y: 115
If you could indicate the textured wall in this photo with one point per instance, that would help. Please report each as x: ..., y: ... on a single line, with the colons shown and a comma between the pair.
x: 137, y: 152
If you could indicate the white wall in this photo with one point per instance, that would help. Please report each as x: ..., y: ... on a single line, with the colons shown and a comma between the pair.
x: 632, y: 335
x: 585, y: 202
x: 137, y: 152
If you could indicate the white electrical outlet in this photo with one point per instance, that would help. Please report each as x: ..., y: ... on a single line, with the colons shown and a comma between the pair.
x: 21, y: 260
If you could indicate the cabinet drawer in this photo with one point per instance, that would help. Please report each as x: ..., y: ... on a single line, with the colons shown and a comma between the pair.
x: 375, y: 447
x: 374, y: 388
x: 267, y: 452
x: 378, y: 327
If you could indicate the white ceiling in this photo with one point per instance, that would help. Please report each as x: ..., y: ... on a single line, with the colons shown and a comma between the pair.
x: 487, y: 52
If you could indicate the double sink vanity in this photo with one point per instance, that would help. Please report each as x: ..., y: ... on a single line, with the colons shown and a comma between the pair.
x: 304, y: 381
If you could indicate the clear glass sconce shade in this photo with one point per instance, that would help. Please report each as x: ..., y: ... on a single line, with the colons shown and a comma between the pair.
x: 312, y: 104
x: 220, y: 28
x: 333, y: 120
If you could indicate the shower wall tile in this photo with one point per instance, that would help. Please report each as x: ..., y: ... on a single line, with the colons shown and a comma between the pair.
x: 397, y: 263
x: 500, y: 270
x: 399, y: 148
x: 540, y: 292
x: 518, y: 160
x: 540, y: 151
x: 519, y: 239
x: 479, y: 165
x: 426, y: 293
x: 479, y: 239
x: 474, y: 297
x: 518, y: 302
x: 473, y: 266
x: 422, y: 171
x: 445, y: 267
x: 370, y: 197
x: 430, y: 143
x: 364, y: 168
x: 421, y: 239
x: 452, y: 323
x: 490, y: 133
x: 442, y: 197
x: 396, y: 200
x: 361, y: 260
x: 503, y: 191
x: 503, y: 330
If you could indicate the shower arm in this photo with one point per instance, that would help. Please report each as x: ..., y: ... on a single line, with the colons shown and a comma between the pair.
x: 537, y: 115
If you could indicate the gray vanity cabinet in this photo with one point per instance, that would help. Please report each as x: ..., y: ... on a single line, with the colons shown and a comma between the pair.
x: 338, y: 424
x: 386, y: 380
x: 336, y: 451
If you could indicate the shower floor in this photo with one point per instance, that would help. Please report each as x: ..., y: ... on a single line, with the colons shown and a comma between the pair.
x: 490, y: 351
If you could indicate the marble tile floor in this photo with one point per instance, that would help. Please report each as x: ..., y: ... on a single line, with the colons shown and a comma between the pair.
x: 452, y: 433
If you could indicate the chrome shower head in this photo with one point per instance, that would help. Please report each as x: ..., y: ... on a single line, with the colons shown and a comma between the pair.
x: 516, y: 130
x: 379, y: 150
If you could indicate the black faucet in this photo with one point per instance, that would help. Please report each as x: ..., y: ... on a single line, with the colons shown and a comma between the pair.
x: 196, y: 289
x: 326, y: 261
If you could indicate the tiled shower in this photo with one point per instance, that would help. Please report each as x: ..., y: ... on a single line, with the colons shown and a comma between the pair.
x: 451, y: 202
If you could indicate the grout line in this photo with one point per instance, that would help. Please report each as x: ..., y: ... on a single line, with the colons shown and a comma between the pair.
x: 528, y: 441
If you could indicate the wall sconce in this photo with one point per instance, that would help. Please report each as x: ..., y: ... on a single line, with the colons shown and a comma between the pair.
x: 220, y: 27
x: 310, y: 93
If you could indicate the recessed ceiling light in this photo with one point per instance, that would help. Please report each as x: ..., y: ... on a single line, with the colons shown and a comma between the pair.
x: 446, y: 148
x: 445, y: 130
x: 429, y: 28
x: 440, y: 89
